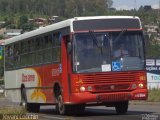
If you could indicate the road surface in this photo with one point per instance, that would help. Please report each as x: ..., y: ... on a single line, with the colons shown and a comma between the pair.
x: 135, y: 112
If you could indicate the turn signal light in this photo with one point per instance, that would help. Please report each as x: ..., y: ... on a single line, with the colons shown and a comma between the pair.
x: 142, y: 76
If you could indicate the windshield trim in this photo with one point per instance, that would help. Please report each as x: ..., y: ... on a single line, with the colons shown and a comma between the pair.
x: 107, y: 30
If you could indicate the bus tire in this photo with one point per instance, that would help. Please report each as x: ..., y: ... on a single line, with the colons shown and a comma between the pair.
x: 23, y: 98
x: 122, y: 107
x: 61, y: 107
x: 30, y: 107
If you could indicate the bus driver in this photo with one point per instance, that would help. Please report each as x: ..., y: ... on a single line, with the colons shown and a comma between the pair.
x: 121, y: 52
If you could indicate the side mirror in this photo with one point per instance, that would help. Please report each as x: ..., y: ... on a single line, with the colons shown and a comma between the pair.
x: 69, y: 47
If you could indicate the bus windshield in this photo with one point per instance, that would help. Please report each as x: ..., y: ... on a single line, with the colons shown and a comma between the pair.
x: 108, y: 51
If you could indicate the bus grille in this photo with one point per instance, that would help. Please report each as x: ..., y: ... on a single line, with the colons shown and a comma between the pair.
x: 113, y: 97
x: 118, y: 81
x: 109, y: 87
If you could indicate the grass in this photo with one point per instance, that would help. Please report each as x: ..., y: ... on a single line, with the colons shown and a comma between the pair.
x: 1, y: 95
x: 12, y: 110
x: 18, y: 110
x: 154, y: 95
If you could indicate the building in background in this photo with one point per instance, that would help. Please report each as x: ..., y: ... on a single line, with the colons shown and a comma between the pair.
x: 153, y: 73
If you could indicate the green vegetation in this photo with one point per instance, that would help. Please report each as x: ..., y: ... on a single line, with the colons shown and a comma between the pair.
x: 64, y: 8
x: 153, y: 98
x: 154, y: 95
x: 12, y: 110
x: 1, y: 95
x: 1, y: 37
x: 16, y: 14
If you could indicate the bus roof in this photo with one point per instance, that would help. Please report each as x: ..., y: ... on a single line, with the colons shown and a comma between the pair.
x: 63, y: 24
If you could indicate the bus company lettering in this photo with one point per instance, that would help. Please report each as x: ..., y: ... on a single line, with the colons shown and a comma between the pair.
x: 55, y: 72
x: 28, y: 78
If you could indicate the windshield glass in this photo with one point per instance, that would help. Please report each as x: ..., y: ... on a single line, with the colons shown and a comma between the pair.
x: 111, y: 51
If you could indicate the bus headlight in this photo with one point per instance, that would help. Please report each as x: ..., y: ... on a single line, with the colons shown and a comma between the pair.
x: 141, y: 85
x: 82, y: 88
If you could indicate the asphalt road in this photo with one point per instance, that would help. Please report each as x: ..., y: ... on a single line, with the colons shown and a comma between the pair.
x: 135, y: 112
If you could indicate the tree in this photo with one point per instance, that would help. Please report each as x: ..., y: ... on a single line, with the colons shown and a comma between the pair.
x: 22, y: 20
x: 71, y: 8
x: 1, y: 37
x: 62, y: 8
x: 86, y: 7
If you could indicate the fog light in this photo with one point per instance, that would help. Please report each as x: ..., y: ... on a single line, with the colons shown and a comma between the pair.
x: 82, y: 89
x: 89, y: 88
x: 134, y: 86
x: 141, y: 85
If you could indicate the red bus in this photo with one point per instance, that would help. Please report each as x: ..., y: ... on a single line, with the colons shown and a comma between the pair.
x: 76, y: 63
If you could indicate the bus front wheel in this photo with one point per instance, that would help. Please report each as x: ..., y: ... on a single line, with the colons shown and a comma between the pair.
x: 121, y: 107
x: 61, y: 107
x: 30, y: 107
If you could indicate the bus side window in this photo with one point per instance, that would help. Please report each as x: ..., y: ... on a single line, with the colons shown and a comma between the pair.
x: 47, y: 49
x: 8, y: 53
x: 56, y: 48
x: 37, y: 44
x: 33, y: 51
x: 29, y: 52
x: 23, y: 53
x: 16, y: 55
x: 9, y: 57
x: 39, y: 50
x: 29, y: 46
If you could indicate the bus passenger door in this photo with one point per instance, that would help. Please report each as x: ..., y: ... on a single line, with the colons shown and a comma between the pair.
x: 65, y: 58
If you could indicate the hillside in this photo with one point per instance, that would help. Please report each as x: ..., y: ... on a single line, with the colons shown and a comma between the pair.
x: 16, y: 14
x: 63, y: 8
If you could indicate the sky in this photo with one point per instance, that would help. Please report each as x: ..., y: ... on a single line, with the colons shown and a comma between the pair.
x: 131, y: 4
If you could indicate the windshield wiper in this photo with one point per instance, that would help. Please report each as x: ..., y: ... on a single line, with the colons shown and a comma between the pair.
x: 93, y: 37
x: 120, y: 35
x: 95, y: 40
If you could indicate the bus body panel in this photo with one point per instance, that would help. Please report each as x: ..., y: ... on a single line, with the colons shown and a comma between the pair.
x: 38, y: 81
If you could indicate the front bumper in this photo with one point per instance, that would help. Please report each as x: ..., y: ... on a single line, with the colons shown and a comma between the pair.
x: 87, y: 97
